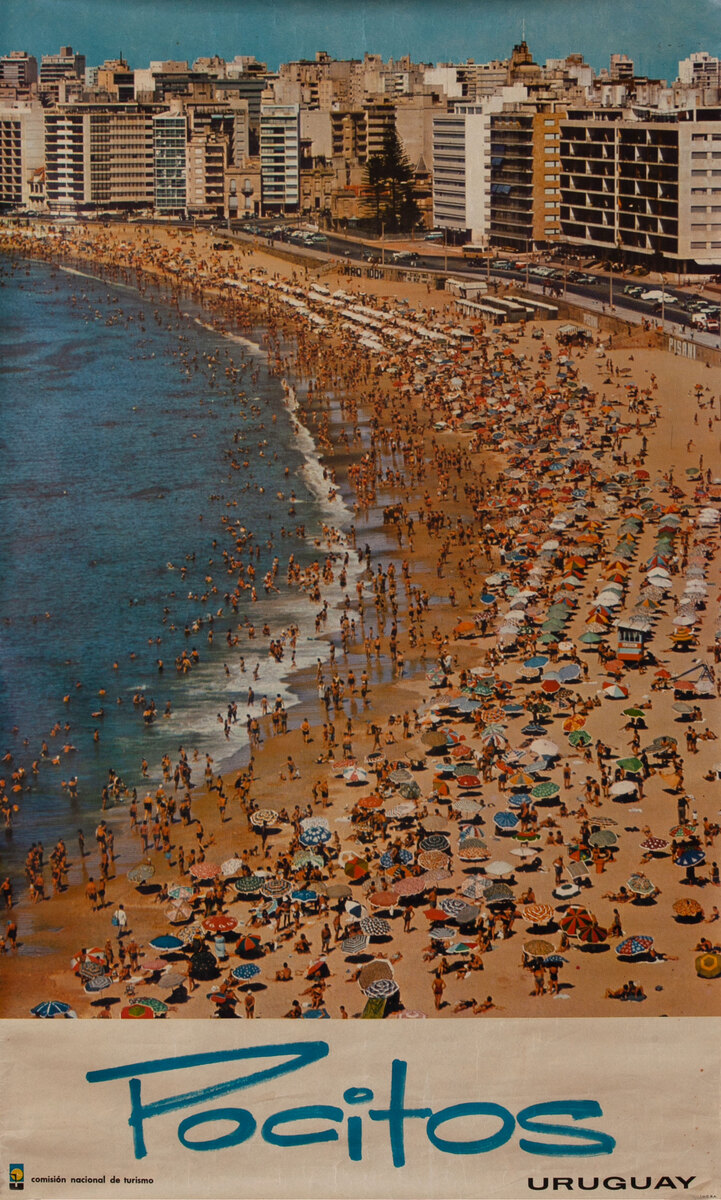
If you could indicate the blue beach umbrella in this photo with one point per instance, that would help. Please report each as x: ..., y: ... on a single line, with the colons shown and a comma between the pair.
x: 317, y: 835
x: 166, y: 941
x: 51, y: 1008
x: 505, y: 820
x: 246, y: 971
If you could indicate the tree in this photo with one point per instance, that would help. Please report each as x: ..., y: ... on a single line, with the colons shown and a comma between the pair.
x: 389, y: 179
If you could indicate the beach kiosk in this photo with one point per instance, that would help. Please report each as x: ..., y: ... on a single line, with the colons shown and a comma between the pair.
x: 633, y: 633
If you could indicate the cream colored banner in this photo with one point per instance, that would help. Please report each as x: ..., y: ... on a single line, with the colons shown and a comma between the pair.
x: 275, y: 1109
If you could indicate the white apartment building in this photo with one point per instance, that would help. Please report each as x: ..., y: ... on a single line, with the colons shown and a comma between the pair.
x: 169, y: 150
x: 648, y: 187
x: 99, y: 155
x: 22, y: 151
x: 462, y: 165
x: 280, y: 156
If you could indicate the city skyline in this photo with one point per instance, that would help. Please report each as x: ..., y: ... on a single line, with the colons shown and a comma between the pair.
x: 420, y: 28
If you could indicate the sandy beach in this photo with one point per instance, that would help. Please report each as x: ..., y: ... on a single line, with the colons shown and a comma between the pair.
x: 486, y: 804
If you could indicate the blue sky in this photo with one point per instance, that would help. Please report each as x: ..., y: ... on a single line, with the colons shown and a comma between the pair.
x: 655, y: 33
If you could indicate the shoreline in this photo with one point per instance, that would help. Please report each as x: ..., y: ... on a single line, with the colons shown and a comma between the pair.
x: 445, y: 463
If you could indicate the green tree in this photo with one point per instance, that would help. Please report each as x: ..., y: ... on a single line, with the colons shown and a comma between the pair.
x: 390, y: 184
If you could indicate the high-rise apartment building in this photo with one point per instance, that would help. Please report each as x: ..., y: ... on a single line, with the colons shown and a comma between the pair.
x: 169, y: 162
x: 647, y: 185
x: 19, y: 70
x: 99, y: 155
x: 280, y: 156
x: 22, y: 151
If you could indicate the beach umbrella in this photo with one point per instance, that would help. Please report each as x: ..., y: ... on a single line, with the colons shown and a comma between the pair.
x: 498, y: 893
x: 623, y: 787
x: 354, y: 945
x: 401, y: 775
x: 90, y: 969
x: 178, y: 912
x: 499, y: 868
x: 685, y: 829
x: 232, y: 866
x: 413, y: 885
x: 247, y: 885
x: 538, y: 914
x: 153, y: 964
x: 141, y: 873
x: 453, y: 906
x: 51, y: 1008
x: 94, y: 954
x: 401, y: 811
x: 380, y: 968
x: 246, y: 971
x: 505, y: 820
x: 180, y: 891
x: 314, y: 822
x: 686, y: 907
x: 544, y: 748
x: 158, y: 1007
x: 356, y: 868
x: 355, y: 909
x: 304, y: 896
x: 537, y: 662
x: 375, y: 926
x: 274, y: 888
x: 592, y: 935
x: 430, y: 859
x: 248, y: 944
x: 385, y: 899
x: 338, y: 891
x: 315, y: 835
x: 545, y: 791
x: 472, y: 849
x: 538, y: 948
x: 466, y: 806
x: 205, y: 870
x: 409, y: 791
x: 461, y: 948
x: 191, y: 933
x: 435, y: 841
x: 615, y: 691
x: 654, y: 844
x: 263, y: 817
x: 306, y: 858
x: 603, y: 838
x: 634, y: 946
x: 137, y: 1012
x: 98, y: 983
x: 433, y: 739
x: 382, y: 989
x: 443, y: 933
x: 219, y: 923
x: 354, y: 776
x: 165, y: 941
x: 524, y: 851
x: 708, y: 966
x: 576, y: 919
x: 631, y: 765
x: 692, y: 857
x: 580, y: 737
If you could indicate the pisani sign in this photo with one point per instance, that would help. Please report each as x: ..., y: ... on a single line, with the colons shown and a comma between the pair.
x: 678, y: 346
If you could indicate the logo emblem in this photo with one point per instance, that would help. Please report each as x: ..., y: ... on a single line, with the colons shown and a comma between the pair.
x: 17, y: 1177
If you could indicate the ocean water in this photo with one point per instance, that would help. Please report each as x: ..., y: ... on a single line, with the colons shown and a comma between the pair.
x: 131, y: 433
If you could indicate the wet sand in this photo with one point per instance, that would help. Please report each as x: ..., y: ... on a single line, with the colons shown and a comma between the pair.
x: 469, y: 518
